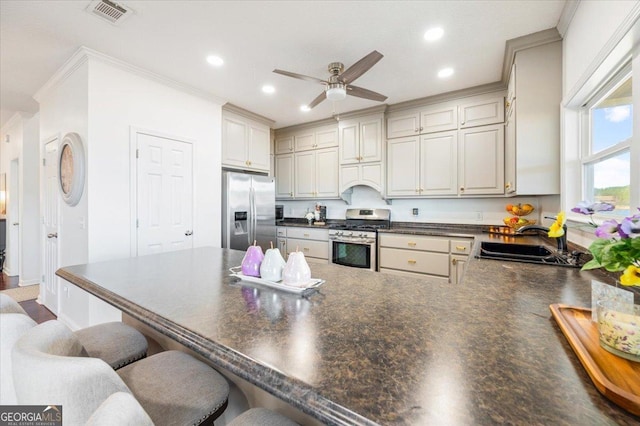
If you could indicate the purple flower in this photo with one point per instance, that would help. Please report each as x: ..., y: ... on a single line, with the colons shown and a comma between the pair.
x: 585, y: 207
x: 607, y: 229
x: 630, y: 225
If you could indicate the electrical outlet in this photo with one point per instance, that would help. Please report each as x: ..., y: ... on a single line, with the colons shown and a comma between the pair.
x: 415, y: 212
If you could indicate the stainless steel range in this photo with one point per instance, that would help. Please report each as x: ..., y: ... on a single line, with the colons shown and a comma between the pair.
x: 354, y: 243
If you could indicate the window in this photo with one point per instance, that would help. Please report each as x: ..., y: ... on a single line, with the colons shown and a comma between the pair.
x: 606, y: 158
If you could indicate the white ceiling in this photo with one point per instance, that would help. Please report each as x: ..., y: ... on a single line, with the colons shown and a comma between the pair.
x: 173, y: 38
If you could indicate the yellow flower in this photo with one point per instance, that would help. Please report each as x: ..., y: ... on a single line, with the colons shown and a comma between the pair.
x: 630, y: 276
x: 556, y: 230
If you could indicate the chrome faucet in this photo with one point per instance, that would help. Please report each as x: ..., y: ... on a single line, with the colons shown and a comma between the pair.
x: 562, y: 240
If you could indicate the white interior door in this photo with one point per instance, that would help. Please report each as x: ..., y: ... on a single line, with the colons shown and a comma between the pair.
x: 50, y: 226
x: 12, y: 261
x: 164, y: 194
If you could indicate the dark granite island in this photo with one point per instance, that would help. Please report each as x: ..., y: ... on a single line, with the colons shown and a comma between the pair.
x: 370, y: 347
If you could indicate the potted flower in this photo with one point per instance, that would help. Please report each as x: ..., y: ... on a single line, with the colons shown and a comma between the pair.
x: 615, y: 249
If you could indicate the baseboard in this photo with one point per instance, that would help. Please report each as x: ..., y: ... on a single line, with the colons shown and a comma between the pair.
x: 26, y: 283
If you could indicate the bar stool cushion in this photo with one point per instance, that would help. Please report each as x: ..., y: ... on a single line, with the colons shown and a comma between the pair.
x: 261, y: 417
x: 115, y: 343
x: 120, y: 409
x: 9, y: 306
x: 198, y: 392
x: 12, y: 327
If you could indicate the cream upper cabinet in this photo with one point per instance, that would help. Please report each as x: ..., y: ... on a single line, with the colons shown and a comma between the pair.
x: 304, y: 141
x: 481, y: 160
x: 533, y: 133
x: 245, y: 143
x: 423, y: 165
x: 284, y: 172
x: 284, y: 145
x: 438, y: 163
x: 439, y: 119
x: 316, y: 173
x: 510, y: 150
x: 407, y: 124
x: 361, y: 140
x: 480, y: 113
x: 326, y: 137
x: 370, y: 174
x: 403, y: 167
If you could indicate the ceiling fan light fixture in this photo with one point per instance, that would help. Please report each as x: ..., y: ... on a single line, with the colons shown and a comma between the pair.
x: 336, y: 92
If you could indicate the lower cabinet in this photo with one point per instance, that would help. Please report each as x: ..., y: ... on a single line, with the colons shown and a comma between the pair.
x: 314, y: 243
x: 422, y: 255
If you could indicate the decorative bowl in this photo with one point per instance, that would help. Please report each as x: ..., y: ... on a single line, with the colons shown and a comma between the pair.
x: 619, y: 328
x: 516, y: 222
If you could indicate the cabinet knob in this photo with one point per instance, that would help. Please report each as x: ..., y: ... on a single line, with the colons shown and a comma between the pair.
x: 421, y: 128
x: 417, y: 189
x: 507, y: 104
x: 461, y: 248
x: 411, y: 244
x: 462, y: 122
x: 508, y: 185
x: 411, y: 262
x: 417, y: 130
x: 290, y: 149
x: 461, y: 189
x: 291, y: 194
x: 306, y: 235
x: 454, y: 261
x: 305, y: 248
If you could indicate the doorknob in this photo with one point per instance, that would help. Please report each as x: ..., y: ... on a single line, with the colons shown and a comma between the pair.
x: 53, y: 235
x: 188, y: 233
x: 16, y: 223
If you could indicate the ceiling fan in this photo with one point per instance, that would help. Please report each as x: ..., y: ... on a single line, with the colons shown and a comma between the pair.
x: 338, y: 86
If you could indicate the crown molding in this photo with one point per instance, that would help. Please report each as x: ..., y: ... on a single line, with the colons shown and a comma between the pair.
x: 448, y: 96
x: 378, y: 109
x: 14, y: 119
x: 525, y: 42
x: 568, y: 11
x: 84, y: 54
x: 247, y: 114
x: 308, y: 125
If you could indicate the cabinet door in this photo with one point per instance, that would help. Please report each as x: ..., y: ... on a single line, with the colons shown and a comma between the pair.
x: 234, y: 142
x: 480, y: 113
x: 327, y: 137
x: 399, y: 126
x: 284, y: 145
x: 349, y: 142
x: 481, y: 160
x: 326, y: 173
x: 371, y: 140
x: 457, y: 268
x: 259, y: 148
x: 284, y: 176
x: 510, y: 150
x: 304, y: 141
x: 439, y: 164
x: 370, y: 174
x: 403, y: 165
x: 439, y: 119
x: 305, y: 174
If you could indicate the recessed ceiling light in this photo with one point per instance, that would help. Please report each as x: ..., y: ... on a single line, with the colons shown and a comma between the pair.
x: 268, y: 89
x: 445, y: 72
x: 216, y: 61
x: 305, y: 108
x: 434, y: 34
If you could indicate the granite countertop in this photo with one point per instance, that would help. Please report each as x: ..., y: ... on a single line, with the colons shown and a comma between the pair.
x: 374, y: 348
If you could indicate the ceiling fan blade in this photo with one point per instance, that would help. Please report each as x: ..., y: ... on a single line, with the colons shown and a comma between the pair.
x: 365, y: 93
x: 321, y: 97
x: 360, y: 67
x: 300, y: 76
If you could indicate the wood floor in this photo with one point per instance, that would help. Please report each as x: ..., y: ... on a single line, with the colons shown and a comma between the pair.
x: 35, y: 310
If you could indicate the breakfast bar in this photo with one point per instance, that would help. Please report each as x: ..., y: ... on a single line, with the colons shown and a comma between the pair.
x: 373, y: 348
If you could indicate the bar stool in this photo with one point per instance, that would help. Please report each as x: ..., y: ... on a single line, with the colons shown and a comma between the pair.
x: 115, y: 343
x: 172, y: 387
x: 120, y: 409
x: 261, y: 417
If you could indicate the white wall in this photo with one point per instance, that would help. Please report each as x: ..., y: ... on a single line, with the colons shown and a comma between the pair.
x: 593, y: 25
x: 23, y: 252
x: 118, y: 101
x: 474, y: 211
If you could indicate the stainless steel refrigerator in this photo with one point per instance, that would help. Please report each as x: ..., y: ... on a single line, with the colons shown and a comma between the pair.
x: 248, y: 210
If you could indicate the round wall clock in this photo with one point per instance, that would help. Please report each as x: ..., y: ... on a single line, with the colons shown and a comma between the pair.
x: 72, y: 168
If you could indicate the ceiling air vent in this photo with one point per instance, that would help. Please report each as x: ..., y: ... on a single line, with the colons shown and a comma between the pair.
x: 110, y: 11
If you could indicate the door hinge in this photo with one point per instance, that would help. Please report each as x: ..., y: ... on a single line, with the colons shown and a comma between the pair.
x: 44, y: 162
x: 137, y: 153
x: 43, y: 279
x: 137, y: 223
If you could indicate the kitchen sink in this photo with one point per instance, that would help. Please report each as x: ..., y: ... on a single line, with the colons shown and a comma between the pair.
x: 528, y: 253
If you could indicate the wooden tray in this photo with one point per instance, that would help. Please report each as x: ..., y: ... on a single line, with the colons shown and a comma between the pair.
x: 616, y: 378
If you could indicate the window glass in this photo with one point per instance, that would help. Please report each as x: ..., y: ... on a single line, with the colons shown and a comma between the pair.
x: 610, y: 182
x: 612, y: 118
